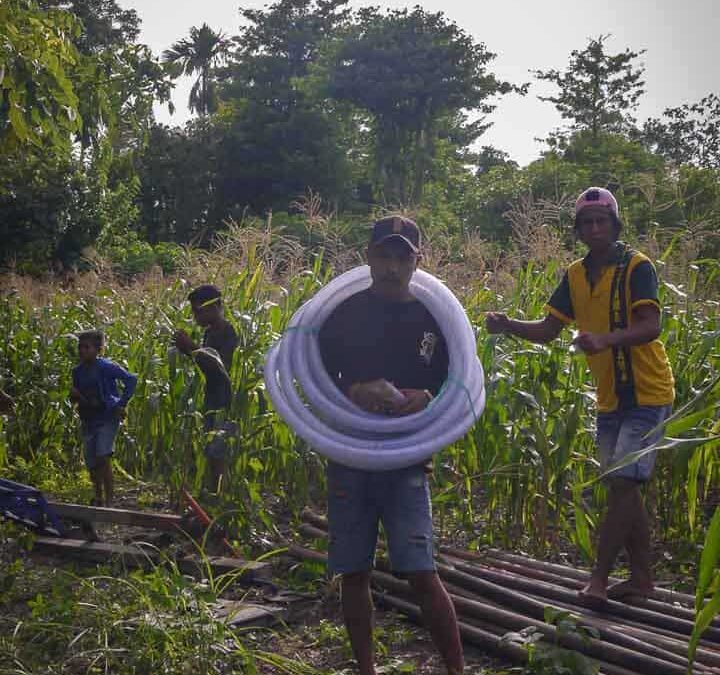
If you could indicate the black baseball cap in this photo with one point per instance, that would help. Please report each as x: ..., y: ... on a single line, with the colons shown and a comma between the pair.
x: 396, y: 227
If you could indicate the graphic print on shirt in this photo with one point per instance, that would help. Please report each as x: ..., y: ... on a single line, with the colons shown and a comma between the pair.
x: 427, y: 346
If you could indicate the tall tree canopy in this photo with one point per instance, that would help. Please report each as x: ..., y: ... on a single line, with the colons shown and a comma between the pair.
x: 281, y: 139
x: 198, y: 55
x: 414, y: 72
x: 688, y: 134
x: 39, y: 104
x: 598, y: 91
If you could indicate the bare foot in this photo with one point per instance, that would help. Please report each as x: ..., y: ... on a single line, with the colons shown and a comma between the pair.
x: 628, y: 588
x: 594, y: 594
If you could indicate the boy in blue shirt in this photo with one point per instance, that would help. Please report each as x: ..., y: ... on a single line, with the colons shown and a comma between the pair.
x: 101, y: 407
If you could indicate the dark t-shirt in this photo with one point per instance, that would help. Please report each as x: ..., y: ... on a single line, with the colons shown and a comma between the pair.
x: 367, y: 338
x: 218, y: 392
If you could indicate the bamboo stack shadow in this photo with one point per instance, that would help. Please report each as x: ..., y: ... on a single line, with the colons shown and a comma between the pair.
x: 497, y: 594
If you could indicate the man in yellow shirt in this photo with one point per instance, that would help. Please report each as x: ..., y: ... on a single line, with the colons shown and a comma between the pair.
x: 611, y: 295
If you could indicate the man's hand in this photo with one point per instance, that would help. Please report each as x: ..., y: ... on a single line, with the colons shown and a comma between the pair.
x: 417, y: 400
x: 184, y: 342
x: 77, y: 397
x: 496, y: 322
x: 375, y: 396
x: 592, y: 343
x: 6, y: 402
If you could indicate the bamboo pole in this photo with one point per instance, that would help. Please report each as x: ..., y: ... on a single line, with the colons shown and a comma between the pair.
x: 309, y: 516
x: 614, y: 646
x: 485, y: 640
x: 550, y: 591
x: 669, y: 640
x: 564, y: 571
x: 524, y: 572
x: 658, y: 638
x: 661, y: 637
x: 662, y: 594
x: 482, y: 638
x: 489, y: 636
x: 527, y: 605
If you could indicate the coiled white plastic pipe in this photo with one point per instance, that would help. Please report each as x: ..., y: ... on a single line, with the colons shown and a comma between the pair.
x: 343, y: 432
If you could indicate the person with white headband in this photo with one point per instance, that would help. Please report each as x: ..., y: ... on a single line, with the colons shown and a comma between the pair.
x: 386, y: 353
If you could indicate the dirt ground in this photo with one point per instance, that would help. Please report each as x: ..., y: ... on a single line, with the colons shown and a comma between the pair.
x: 313, y: 632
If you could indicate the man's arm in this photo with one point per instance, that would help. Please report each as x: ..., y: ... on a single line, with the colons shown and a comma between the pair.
x: 184, y: 343
x: 645, y: 324
x: 645, y: 328
x: 210, y: 363
x: 75, y: 393
x: 129, y: 381
x: 6, y: 402
x: 545, y: 330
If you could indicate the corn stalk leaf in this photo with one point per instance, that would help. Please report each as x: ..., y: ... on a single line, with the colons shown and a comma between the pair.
x: 671, y: 444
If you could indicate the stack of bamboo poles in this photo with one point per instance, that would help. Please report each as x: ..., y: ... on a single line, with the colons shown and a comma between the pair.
x: 496, y: 593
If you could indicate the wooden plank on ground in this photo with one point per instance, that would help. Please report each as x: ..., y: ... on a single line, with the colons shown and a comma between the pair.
x: 250, y: 570
x: 101, y: 514
x: 243, y: 614
x: 97, y: 551
x: 136, y: 555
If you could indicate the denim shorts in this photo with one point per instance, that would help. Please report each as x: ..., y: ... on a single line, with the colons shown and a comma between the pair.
x: 622, y: 432
x: 218, y: 432
x: 98, y: 440
x: 359, y: 500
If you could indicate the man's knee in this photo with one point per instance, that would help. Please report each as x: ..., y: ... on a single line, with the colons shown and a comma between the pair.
x: 423, y: 582
x: 355, y: 580
x: 620, y: 485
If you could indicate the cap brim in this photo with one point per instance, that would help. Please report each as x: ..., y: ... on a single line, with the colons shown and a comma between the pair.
x: 400, y: 237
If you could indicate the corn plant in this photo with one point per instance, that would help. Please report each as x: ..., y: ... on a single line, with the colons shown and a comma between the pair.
x: 522, y: 475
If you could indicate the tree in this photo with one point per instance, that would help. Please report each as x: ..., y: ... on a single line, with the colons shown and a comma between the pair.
x: 414, y: 72
x: 490, y: 157
x: 119, y: 80
x: 281, y: 136
x: 204, y: 51
x: 688, y: 134
x: 177, y: 204
x: 104, y: 23
x: 38, y: 101
x: 598, y: 91
x: 73, y: 84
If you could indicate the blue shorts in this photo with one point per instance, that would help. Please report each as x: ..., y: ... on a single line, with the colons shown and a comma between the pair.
x: 98, y: 440
x: 622, y: 432
x: 359, y: 500
x: 218, y: 432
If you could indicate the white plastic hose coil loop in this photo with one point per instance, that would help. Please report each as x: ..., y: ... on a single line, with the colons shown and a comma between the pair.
x: 334, y: 426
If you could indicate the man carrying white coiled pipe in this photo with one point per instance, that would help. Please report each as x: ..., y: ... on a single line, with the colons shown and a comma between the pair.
x: 386, y: 352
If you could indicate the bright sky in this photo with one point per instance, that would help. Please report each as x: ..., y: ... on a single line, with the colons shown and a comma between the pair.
x: 681, y: 39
